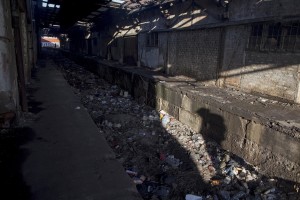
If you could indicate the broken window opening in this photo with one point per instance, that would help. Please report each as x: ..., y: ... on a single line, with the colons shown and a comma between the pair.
x: 275, y: 37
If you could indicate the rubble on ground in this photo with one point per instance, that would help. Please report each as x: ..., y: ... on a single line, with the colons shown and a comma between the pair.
x: 165, y: 158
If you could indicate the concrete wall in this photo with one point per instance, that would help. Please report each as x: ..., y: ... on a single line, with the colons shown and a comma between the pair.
x: 270, y: 73
x: 8, y: 70
x: 17, y: 56
x: 235, y: 41
x: 274, y: 74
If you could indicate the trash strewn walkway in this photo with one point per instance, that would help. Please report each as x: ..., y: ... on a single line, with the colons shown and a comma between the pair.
x: 165, y: 158
x: 67, y: 158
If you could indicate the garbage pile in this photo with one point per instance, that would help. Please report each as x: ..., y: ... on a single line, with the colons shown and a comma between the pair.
x: 165, y: 158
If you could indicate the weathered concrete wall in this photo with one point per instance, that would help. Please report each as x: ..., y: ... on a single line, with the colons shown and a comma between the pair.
x: 270, y: 73
x: 241, y: 130
x: 235, y: 41
x: 274, y: 74
x: 267, y: 136
x: 8, y: 73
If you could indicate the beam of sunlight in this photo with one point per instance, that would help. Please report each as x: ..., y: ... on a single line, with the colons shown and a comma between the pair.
x: 257, y: 68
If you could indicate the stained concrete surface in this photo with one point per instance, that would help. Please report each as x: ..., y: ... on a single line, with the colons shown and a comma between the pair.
x: 67, y: 158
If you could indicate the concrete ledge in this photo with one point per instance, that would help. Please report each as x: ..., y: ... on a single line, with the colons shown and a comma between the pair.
x: 263, y: 132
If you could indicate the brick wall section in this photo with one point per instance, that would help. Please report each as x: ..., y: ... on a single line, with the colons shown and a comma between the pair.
x: 194, y: 53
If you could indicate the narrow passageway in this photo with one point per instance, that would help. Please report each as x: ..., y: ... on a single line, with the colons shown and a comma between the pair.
x: 67, y: 158
x: 149, y: 99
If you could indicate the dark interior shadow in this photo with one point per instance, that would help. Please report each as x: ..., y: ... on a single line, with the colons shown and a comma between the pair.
x: 12, y: 155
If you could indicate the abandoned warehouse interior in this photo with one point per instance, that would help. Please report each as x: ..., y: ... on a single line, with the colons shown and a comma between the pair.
x: 148, y: 99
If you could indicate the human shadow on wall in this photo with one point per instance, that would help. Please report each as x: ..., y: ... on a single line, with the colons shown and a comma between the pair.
x: 212, y: 129
x: 212, y: 125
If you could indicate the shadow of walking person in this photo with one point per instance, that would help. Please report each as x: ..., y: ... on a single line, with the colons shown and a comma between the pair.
x: 213, y: 127
x: 213, y: 131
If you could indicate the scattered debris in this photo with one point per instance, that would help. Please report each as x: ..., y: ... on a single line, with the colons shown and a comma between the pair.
x: 165, y: 158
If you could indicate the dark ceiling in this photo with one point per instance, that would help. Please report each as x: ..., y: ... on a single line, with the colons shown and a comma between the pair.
x: 66, y: 12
